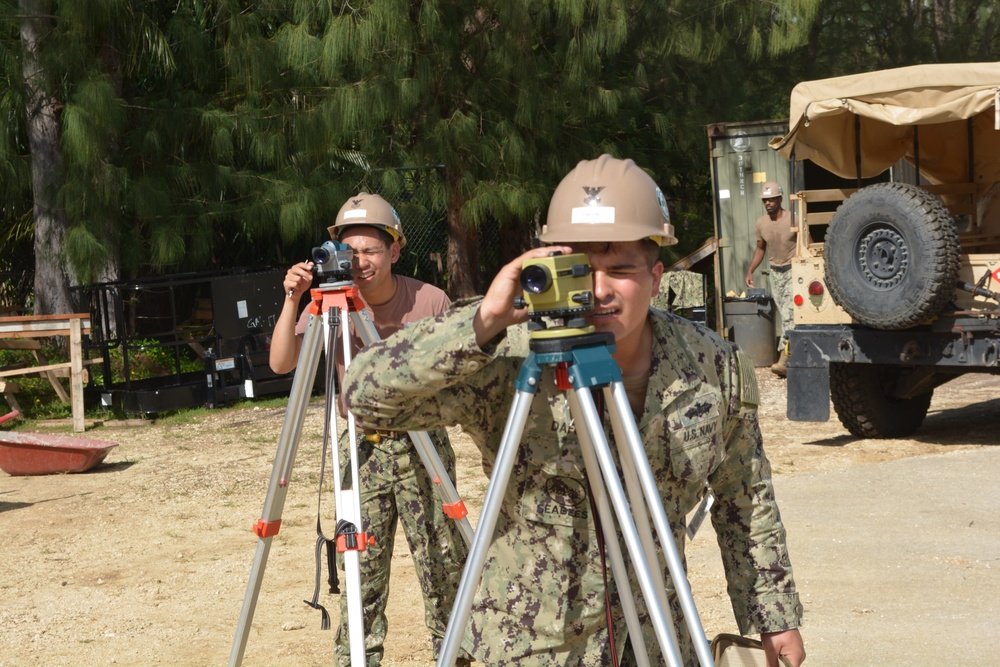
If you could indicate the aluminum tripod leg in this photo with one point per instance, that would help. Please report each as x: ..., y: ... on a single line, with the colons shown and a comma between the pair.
x: 454, y: 507
x: 615, y: 555
x: 267, y: 527
x: 584, y: 412
x: 592, y: 366
x: 627, y: 432
x: 472, y: 574
x: 348, y: 502
x: 485, y: 528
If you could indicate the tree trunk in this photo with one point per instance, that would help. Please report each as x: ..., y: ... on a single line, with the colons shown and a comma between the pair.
x: 52, y: 275
x: 514, y: 241
x: 111, y: 62
x: 463, y: 248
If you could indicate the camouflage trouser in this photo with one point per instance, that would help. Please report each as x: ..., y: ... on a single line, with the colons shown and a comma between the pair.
x: 781, y: 292
x: 395, y: 486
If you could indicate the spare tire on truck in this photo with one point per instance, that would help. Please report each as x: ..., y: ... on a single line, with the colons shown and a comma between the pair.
x: 892, y: 256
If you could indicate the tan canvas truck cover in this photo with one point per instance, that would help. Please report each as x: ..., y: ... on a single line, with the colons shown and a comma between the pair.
x: 938, y: 98
x: 902, y: 282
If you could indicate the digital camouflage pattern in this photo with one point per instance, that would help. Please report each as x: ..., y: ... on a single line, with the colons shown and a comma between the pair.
x: 396, y: 487
x: 781, y: 292
x: 680, y: 290
x: 542, y: 594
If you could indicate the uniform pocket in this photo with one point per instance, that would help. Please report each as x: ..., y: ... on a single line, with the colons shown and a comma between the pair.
x: 555, y: 495
x: 554, y: 487
x: 695, y: 445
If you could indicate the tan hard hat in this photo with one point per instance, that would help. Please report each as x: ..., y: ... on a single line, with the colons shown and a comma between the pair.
x: 770, y: 189
x: 371, y: 210
x: 607, y: 200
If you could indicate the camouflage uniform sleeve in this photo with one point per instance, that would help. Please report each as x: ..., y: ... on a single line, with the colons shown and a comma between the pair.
x: 429, y: 375
x: 746, y: 518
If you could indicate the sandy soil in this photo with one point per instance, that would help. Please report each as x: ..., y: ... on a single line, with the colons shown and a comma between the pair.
x: 145, y: 559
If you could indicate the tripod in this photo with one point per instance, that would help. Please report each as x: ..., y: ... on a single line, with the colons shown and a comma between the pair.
x: 582, y: 360
x: 332, y: 300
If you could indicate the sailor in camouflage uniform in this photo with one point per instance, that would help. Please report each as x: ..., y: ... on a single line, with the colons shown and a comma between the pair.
x: 396, y: 488
x: 694, y: 397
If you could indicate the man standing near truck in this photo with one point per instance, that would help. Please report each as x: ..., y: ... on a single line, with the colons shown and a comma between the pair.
x: 776, y: 236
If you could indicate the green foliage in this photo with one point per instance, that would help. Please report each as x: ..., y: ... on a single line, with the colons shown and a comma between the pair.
x: 37, y: 398
x: 147, y: 358
x: 204, y: 134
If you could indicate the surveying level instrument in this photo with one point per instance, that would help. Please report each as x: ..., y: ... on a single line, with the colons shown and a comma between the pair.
x: 582, y: 361
x: 330, y: 301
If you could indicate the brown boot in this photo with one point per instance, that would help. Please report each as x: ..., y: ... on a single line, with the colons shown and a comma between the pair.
x: 780, y: 367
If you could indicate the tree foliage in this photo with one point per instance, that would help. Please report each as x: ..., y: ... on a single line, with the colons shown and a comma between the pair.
x: 209, y: 133
x: 505, y: 95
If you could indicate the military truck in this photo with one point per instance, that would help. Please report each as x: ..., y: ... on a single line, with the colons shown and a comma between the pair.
x: 898, y: 291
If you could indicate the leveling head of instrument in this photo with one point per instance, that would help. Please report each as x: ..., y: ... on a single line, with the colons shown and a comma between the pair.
x: 333, y: 260
x: 559, y: 287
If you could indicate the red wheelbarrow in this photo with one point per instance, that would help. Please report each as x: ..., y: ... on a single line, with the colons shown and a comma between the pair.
x: 42, y: 454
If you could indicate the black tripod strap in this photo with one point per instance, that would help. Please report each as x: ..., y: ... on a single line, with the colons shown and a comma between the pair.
x: 321, y: 539
x: 314, y: 603
x: 598, y: 395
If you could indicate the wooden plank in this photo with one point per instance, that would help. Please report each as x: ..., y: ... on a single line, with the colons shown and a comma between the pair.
x: 76, y: 376
x: 706, y: 249
x: 34, y: 369
x: 37, y: 333
x: 47, y: 318
x: 53, y: 378
x: 833, y: 194
x: 19, y: 344
x: 9, y: 390
x: 41, y: 325
x: 73, y: 325
x: 819, y: 218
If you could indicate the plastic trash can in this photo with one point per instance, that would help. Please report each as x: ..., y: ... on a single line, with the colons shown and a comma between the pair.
x: 750, y: 322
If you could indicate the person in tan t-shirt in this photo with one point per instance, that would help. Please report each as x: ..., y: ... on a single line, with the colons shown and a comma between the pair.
x: 395, y: 486
x: 776, y: 237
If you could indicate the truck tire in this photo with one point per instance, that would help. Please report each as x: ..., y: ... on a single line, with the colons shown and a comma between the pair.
x: 862, y: 398
x: 892, y: 256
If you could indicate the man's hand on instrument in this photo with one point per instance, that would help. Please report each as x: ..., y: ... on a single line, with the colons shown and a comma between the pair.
x: 497, y: 311
x: 298, y: 280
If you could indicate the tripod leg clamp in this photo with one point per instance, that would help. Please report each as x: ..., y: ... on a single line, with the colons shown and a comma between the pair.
x: 455, y: 510
x: 349, y: 539
x: 264, y: 529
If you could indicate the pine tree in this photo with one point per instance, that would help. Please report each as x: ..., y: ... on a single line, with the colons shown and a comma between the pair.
x: 82, y: 64
x: 505, y: 95
x: 42, y: 103
x: 193, y: 131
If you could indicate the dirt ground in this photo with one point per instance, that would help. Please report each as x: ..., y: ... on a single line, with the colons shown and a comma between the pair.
x: 145, y: 559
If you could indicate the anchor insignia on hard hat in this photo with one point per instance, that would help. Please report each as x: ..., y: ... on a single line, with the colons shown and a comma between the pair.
x: 356, y: 202
x: 663, y: 204
x: 592, y: 198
